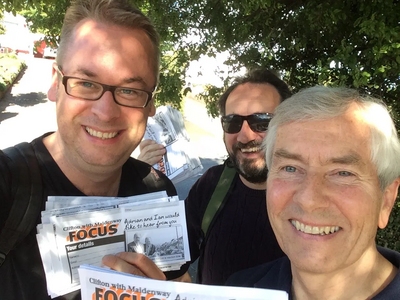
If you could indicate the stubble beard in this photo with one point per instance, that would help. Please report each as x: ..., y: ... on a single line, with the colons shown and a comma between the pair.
x: 249, y: 169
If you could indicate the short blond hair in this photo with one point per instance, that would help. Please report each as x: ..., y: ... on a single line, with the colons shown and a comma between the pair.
x: 115, y: 12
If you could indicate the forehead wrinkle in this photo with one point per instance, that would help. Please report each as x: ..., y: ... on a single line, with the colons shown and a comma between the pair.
x: 283, y: 153
x: 349, y: 159
x: 85, y: 72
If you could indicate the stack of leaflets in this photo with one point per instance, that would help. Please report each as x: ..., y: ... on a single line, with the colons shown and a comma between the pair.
x: 180, y: 160
x: 100, y: 284
x: 81, y: 230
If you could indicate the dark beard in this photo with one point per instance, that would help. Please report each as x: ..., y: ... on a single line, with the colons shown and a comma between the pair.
x: 246, y: 168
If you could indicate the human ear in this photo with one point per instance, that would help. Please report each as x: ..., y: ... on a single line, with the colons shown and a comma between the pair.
x: 389, y: 198
x: 52, y: 93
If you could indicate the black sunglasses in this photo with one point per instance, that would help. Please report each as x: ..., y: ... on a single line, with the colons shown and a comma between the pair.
x: 257, y: 122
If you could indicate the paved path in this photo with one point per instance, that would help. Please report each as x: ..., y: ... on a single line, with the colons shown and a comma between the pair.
x: 25, y: 111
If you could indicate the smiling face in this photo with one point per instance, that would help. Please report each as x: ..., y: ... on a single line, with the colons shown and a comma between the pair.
x: 323, y: 195
x: 244, y: 147
x: 103, y: 133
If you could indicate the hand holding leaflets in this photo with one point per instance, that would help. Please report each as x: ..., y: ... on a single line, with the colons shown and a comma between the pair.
x: 101, y: 284
x: 80, y: 235
x: 151, y: 152
x: 179, y: 160
x: 92, y: 228
x: 131, y: 263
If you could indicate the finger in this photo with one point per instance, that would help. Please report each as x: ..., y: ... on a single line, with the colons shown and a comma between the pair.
x: 118, y: 264
x: 152, y: 154
x: 156, y: 156
x: 145, y: 143
x: 145, y: 264
x: 153, y: 147
x: 133, y: 263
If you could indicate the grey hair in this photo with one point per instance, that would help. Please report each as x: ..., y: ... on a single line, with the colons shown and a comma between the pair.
x: 322, y: 103
x: 115, y: 12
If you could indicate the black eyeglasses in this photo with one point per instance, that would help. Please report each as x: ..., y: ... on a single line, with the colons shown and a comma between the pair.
x: 257, y: 122
x: 91, y: 90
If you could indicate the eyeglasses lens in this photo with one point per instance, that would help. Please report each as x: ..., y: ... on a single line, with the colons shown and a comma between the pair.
x: 84, y: 89
x: 91, y: 90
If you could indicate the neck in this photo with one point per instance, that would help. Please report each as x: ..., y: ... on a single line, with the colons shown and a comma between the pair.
x: 254, y: 186
x: 361, y: 280
x: 90, y: 180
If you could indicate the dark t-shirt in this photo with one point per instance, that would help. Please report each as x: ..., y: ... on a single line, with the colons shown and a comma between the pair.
x: 277, y: 275
x: 22, y: 276
x: 240, y: 237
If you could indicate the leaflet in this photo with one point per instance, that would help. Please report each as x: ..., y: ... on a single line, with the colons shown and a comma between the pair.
x: 93, y: 206
x: 101, y: 284
x: 180, y: 160
x: 65, y: 201
x: 70, y: 238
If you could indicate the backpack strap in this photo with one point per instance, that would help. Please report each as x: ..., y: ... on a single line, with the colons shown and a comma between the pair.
x: 218, y: 198
x: 214, y: 207
x: 27, y: 201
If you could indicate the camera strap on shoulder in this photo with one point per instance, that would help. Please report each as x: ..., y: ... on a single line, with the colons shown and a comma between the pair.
x: 218, y: 198
x: 27, y: 200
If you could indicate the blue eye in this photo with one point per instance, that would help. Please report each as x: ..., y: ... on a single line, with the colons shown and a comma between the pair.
x: 127, y: 91
x: 87, y: 84
x: 290, y: 169
x: 344, y: 173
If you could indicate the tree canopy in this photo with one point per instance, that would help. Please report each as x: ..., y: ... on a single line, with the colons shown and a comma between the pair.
x: 2, y: 28
x: 355, y: 43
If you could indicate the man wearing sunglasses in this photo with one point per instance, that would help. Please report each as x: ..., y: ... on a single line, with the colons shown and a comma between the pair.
x: 105, y: 72
x: 239, y: 234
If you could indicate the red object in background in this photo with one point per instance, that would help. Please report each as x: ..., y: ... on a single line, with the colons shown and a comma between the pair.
x: 39, y: 48
x: 22, y: 51
x: 6, y: 50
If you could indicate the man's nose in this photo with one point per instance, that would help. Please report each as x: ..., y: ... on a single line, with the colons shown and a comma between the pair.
x: 106, y: 109
x: 245, y: 134
x: 312, y: 193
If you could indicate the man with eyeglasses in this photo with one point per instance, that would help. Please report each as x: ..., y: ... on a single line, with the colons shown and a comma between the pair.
x: 106, y: 70
x: 239, y: 235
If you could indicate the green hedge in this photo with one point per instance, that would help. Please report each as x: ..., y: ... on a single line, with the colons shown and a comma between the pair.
x: 390, y: 236
x: 10, y: 67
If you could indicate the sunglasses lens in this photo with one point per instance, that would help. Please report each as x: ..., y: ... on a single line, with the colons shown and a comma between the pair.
x: 259, y: 122
x: 260, y: 126
x: 232, y: 123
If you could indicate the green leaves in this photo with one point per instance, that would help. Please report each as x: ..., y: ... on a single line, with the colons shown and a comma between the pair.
x: 300, y: 38
x: 2, y: 28
x: 10, y: 67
